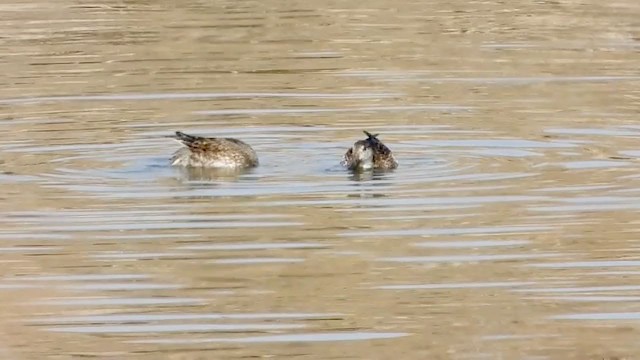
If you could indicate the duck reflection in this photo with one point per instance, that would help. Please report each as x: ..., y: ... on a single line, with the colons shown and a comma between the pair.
x: 201, y: 174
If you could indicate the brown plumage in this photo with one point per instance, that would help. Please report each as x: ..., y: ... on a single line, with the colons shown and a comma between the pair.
x: 369, y: 153
x: 223, y: 153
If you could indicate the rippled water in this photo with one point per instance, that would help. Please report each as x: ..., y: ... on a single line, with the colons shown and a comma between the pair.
x: 509, y: 231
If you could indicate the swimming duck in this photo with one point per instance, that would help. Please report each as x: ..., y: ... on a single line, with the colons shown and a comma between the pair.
x: 220, y: 153
x: 369, y: 153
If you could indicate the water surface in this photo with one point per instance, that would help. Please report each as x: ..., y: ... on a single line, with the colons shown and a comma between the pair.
x: 509, y: 231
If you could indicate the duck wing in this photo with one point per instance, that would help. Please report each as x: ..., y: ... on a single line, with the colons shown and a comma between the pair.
x: 198, y: 144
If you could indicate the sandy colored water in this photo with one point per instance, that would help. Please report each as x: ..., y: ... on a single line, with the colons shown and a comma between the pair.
x: 509, y: 231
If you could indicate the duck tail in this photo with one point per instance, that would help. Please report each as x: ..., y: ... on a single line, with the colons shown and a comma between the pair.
x: 371, y: 137
x: 184, y: 138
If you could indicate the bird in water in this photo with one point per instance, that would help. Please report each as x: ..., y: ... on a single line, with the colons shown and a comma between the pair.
x: 217, y: 153
x: 369, y: 154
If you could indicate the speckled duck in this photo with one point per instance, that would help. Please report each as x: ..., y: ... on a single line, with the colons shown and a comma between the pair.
x: 369, y: 154
x: 214, y: 153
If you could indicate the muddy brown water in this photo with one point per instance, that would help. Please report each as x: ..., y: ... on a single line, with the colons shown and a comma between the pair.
x: 509, y: 231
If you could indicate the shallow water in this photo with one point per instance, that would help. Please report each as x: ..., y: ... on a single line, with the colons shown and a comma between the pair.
x: 509, y: 231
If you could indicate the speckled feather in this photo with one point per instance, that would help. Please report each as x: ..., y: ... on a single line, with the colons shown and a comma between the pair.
x: 213, y: 152
x: 383, y: 158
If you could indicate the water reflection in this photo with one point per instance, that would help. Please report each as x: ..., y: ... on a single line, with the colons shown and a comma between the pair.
x: 371, y: 175
x: 209, y: 175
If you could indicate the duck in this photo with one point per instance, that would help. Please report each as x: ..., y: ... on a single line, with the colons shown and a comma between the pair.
x: 213, y: 153
x: 369, y: 154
